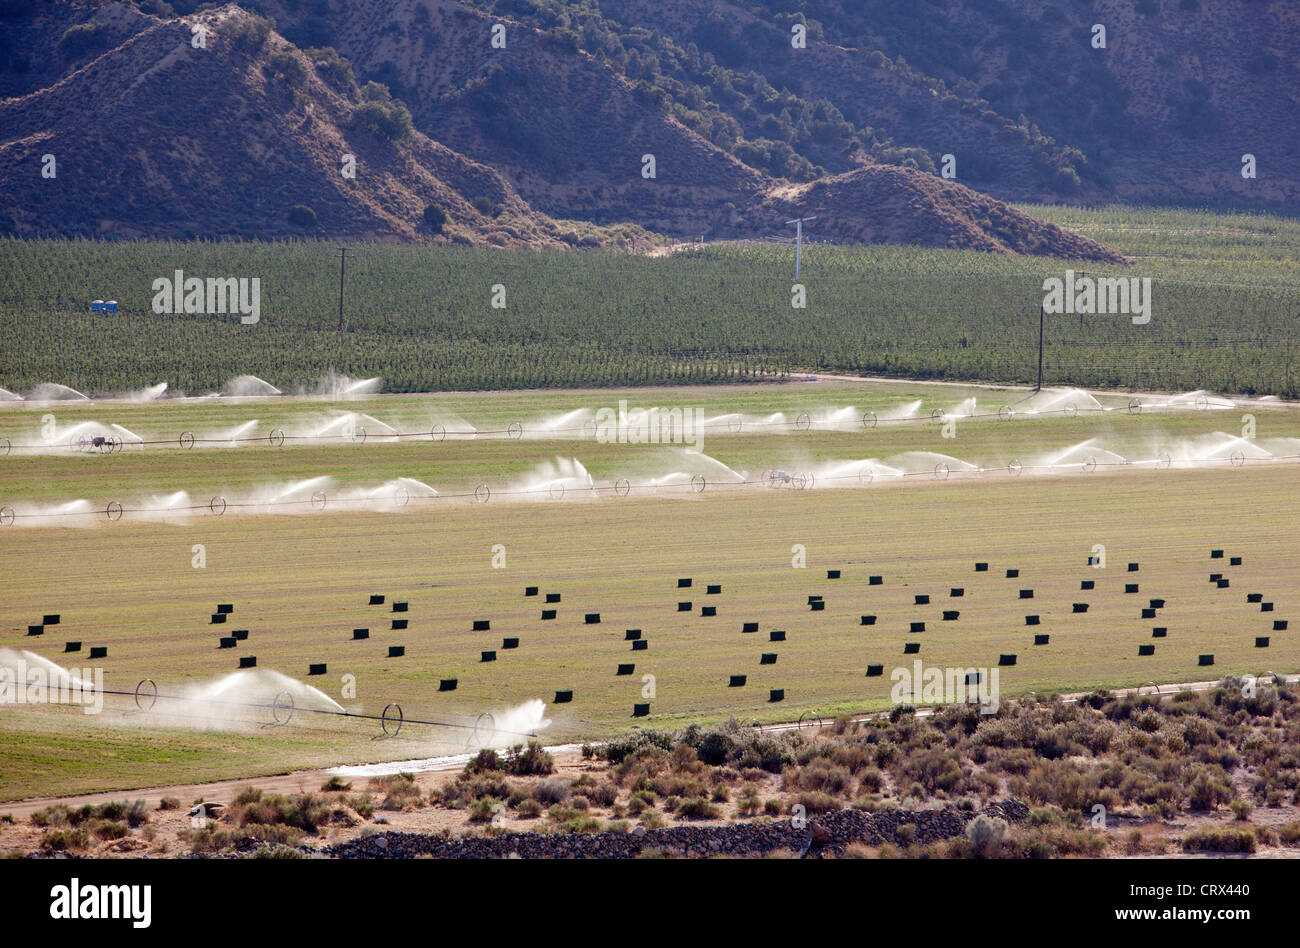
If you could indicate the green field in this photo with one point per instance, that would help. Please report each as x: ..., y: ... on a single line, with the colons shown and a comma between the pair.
x: 300, y: 583
x: 1225, y: 299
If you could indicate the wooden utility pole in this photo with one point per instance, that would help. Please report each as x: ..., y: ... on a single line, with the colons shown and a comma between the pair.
x: 1040, y: 347
x: 343, y: 253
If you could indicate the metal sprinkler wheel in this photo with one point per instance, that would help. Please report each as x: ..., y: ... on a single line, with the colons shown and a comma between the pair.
x: 1005, y: 413
x: 186, y: 439
x: 358, y: 436
x: 146, y: 690
x: 802, y: 421
x: 283, y: 703
x: 1237, y: 459
x: 698, y: 483
x: 401, y: 496
x: 807, y: 480
x: 1015, y: 467
x: 482, y: 493
x: 589, y: 429
x: 865, y: 478
x: 735, y: 424
x: 276, y: 437
x: 485, y: 728
x: 808, y: 718
x: 5, y: 447
x: 217, y: 505
x: 941, y: 471
x: 1201, y: 403
x: 113, y: 511
x: 1134, y: 406
x: 938, y: 416
x: 79, y: 444
x: 622, y: 487
x: 437, y: 433
x: 556, y: 491
x: 1071, y: 411
x: 396, y: 719
x: 318, y: 500
x: 1090, y: 465
x: 1165, y: 461
x: 515, y: 430
x: 6, y: 516
x: 870, y: 419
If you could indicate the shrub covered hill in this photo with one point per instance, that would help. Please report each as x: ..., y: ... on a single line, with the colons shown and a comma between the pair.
x: 533, y: 122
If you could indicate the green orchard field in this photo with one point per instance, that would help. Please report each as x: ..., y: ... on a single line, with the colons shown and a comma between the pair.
x: 300, y: 583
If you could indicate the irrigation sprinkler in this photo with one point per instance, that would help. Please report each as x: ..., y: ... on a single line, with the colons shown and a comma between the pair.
x: 941, y: 471
x: 437, y: 433
x: 1015, y: 467
x: 217, y: 505
x: 392, y: 715
x: 6, y: 516
x: 1090, y: 464
x: 186, y: 440
x: 146, y: 690
x: 735, y: 424
x: 1237, y: 459
x: 865, y: 478
x: 482, y: 493
x: 698, y: 483
x: 1134, y: 406
x: 556, y: 491
x: 401, y: 496
x: 113, y: 511
x: 358, y: 436
x: 276, y: 437
x: 622, y: 486
x: 5, y: 447
x: 870, y: 420
x: 802, y: 421
x: 811, y: 718
x: 938, y: 416
x: 515, y: 431
x: 1005, y: 413
x: 318, y: 500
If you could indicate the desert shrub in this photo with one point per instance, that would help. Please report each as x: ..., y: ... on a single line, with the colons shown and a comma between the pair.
x: 390, y: 121
x: 529, y: 761
x: 79, y: 40
x: 1220, y: 840
x: 698, y: 808
x: 109, y: 829
x: 529, y: 809
x: 1289, y: 833
x: 65, y: 839
x: 986, y: 835
x: 580, y: 803
x: 814, y: 801
x: 484, y: 761
x: 552, y: 790
x: 482, y: 810
x: 335, y: 785
x: 169, y: 803
x: 300, y: 215
x: 290, y: 67
x: 250, y: 35
x: 333, y: 68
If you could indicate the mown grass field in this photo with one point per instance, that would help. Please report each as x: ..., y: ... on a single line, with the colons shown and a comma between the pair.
x: 1224, y: 301
x: 300, y: 583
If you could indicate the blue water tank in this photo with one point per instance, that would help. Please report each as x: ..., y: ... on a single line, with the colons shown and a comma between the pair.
x: 97, y: 306
x: 111, y: 307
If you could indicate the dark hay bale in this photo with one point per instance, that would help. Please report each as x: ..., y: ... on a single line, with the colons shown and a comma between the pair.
x: 737, y: 681
x: 36, y: 630
x: 1130, y: 587
x: 248, y: 661
x: 1159, y: 632
x: 1156, y: 603
x: 922, y: 599
x: 510, y: 643
x: 749, y: 627
x: 241, y: 635
x: 640, y: 645
x: 767, y: 658
x: 548, y: 614
x: 563, y: 697
x: 376, y: 600
x: 1223, y: 584
x: 482, y: 625
x: 631, y: 635
x: 1042, y: 638
x: 875, y: 671
x: 974, y: 678
x: 1205, y: 660
x: 1265, y: 607
x: 51, y: 618
x: 1026, y: 594
x: 1216, y: 554
x: 1132, y: 567
x: 552, y: 597
x: 714, y: 590
x: 1094, y: 560
x: 218, y: 618
x: 832, y: 574
x: 708, y: 611
x: 817, y: 606
x: 641, y: 710
x: 918, y: 627
x: 1087, y: 584
x: 1031, y: 620
x: 956, y: 592
x: 1215, y: 577
x: 318, y: 668
x: 396, y: 651
x: 447, y: 684
x: 399, y: 624
x: 684, y: 583
x: 950, y: 615
x: 684, y: 607
x: 1006, y: 659
x: 776, y: 694
x: 71, y: 646
x: 1013, y: 574
x: 911, y: 648
x: 625, y: 669
x: 1079, y: 607
x: 360, y: 634
x: 981, y: 567
x: 776, y: 635
x: 225, y: 608
x: 488, y: 655
x: 868, y: 620
x: 875, y: 580
x: 1279, y: 625
x: 99, y: 651
x: 812, y: 599
x: 532, y: 591
x: 1234, y: 561
x: 1146, y: 650
x: 400, y: 606
x: 1254, y: 597
x: 592, y: 618
x: 226, y: 641
x: 1148, y: 613
x: 1261, y: 641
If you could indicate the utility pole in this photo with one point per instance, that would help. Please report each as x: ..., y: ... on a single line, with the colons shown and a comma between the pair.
x: 798, y: 241
x: 1040, y: 348
x: 343, y: 253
